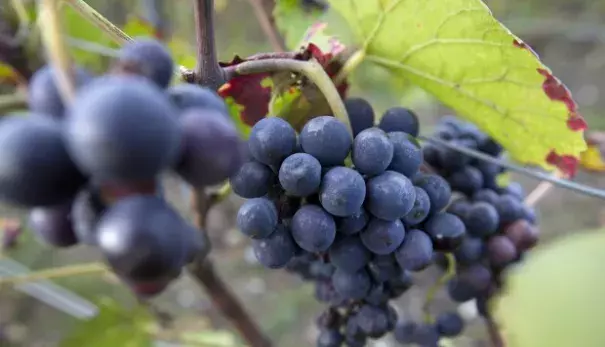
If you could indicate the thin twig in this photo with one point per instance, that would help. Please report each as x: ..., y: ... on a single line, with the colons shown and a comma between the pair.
x: 564, y: 183
x: 493, y: 331
x: 207, y: 72
x: 56, y: 272
x: 442, y: 281
x: 55, y: 48
x: 202, y: 270
x: 93, y: 47
x: 98, y: 20
x: 310, y: 69
x: 267, y: 24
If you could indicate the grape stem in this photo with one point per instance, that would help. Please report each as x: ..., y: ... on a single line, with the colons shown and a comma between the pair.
x: 441, y: 282
x: 207, y: 71
x: 310, y: 69
x: 203, y: 271
x: 560, y: 182
x: 57, y: 272
x: 267, y: 23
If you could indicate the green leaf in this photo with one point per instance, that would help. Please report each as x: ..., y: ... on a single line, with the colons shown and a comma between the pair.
x: 113, y: 326
x: 555, y: 298
x: 458, y: 52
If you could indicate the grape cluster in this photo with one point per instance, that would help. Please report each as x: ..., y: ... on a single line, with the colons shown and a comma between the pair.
x: 90, y: 170
x: 500, y: 228
x: 352, y: 214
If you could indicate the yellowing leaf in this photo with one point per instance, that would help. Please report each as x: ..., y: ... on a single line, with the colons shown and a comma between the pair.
x: 457, y: 51
x: 6, y: 73
x: 555, y: 298
x: 592, y: 159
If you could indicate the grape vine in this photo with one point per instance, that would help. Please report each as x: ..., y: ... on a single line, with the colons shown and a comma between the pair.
x: 354, y: 202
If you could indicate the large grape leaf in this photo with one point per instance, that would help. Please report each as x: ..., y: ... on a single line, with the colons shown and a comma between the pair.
x: 555, y: 298
x: 114, y: 325
x: 457, y: 51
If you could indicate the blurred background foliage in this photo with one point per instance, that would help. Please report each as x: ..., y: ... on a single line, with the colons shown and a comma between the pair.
x: 569, y: 37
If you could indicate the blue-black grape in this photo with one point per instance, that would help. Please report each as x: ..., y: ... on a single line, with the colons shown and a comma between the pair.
x: 446, y: 231
x: 257, y: 218
x: 416, y: 251
x: 405, y: 332
x: 486, y: 195
x: 327, y: 139
x: 390, y: 196
x: 361, y: 114
x: 449, y: 324
x: 509, y: 209
x: 132, y: 235
x: 313, y: 229
x: 86, y: 211
x: 426, y: 335
x: 276, y: 250
x: 451, y: 159
x: 523, y: 234
x: 383, y: 237
x: 421, y: 209
x: 470, y: 251
x: 352, y: 285
x: 459, y: 207
x: 53, y: 225
x: 342, y: 191
x: 407, y: 154
x: 35, y: 168
x: 373, y: 320
x: 300, y: 175
x: 490, y: 147
x: 211, y: 149
x: 476, y: 276
x: 383, y: 267
x: 354, y: 223
x: 188, y: 95
x: 400, y: 284
x: 378, y: 295
x: 329, y: 338
x: 467, y: 180
x: 122, y: 129
x: 482, y: 219
x: 437, y: 188
x: 501, y: 251
x: 272, y: 140
x: 400, y: 119
x: 146, y: 57
x: 252, y: 180
x: 460, y: 291
x: 515, y: 189
x: 372, y: 152
x: 321, y: 270
x: 349, y: 254
x: 43, y: 94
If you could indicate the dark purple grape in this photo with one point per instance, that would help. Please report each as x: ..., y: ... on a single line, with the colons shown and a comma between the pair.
x: 361, y: 114
x: 276, y: 250
x: 271, y: 141
x: 53, y: 225
x: 327, y: 139
x: 146, y: 57
x: 501, y: 251
x: 446, y: 231
x: 400, y: 119
x: 188, y: 95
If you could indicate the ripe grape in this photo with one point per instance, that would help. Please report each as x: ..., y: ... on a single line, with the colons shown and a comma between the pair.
x: 373, y: 320
x: 146, y: 57
x: 349, y: 254
x: 329, y: 338
x: 327, y: 139
x: 482, y: 219
x: 467, y: 180
x: 450, y: 324
x: 390, y: 196
x: 405, y: 332
x: 272, y: 140
x: 300, y: 175
x: 446, y: 231
x: 383, y: 237
x: 470, y: 251
x: 361, y: 114
x: 509, y: 209
x: 187, y: 95
x: 486, y: 195
x: 43, y: 94
x: 352, y: 285
x: 276, y: 250
x: 53, y: 225
x: 383, y: 268
x: 372, y: 152
x: 421, y: 209
x: 407, y: 155
x: 313, y: 229
x: 35, y: 168
x: 459, y: 207
x: 501, y: 251
x: 523, y: 235
x: 342, y: 191
x: 211, y: 148
x: 416, y: 251
x: 144, y: 239
x: 122, y: 129
x: 257, y: 218
x: 400, y: 119
x: 436, y: 187
x: 352, y: 224
x: 252, y: 180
